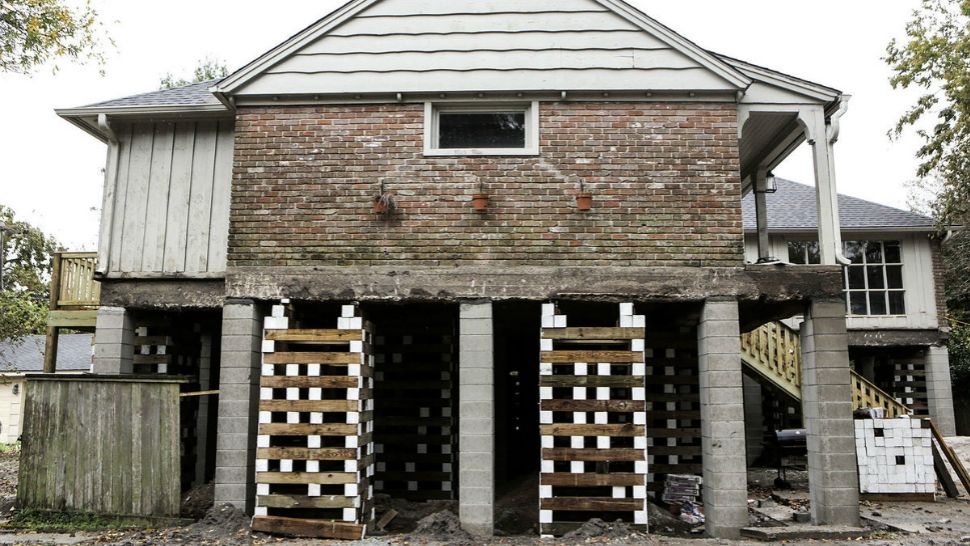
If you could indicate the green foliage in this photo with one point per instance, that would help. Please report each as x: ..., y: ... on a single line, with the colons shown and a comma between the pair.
x: 54, y: 522
x: 959, y: 347
x: 26, y: 268
x: 936, y: 60
x: 34, y: 32
x: 207, y: 69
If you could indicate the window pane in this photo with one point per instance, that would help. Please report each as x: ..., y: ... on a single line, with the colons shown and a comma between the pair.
x: 874, y: 273
x: 897, y: 304
x: 893, y: 254
x: 857, y: 303
x: 853, y: 251
x: 796, y: 252
x: 877, y: 303
x: 814, y: 255
x: 874, y: 252
x: 894, y: 275
x: 857, y: 279
x: 485, y: 130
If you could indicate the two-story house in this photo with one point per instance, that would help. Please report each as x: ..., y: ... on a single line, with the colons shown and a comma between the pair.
x: 523, y: 220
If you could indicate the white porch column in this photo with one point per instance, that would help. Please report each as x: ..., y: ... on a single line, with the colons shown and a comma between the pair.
x: 829, y: 227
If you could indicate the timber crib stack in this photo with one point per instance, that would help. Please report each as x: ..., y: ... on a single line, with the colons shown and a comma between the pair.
x: 909, y: 385
x: 152, y: 350
x: 593, y: 423
x: 315, y: 451
x: 414, y: 437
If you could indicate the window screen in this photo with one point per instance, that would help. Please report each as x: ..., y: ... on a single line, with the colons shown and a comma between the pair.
x: 458, y: 130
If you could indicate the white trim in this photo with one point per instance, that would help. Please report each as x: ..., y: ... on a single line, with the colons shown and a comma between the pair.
x: 433, y: 109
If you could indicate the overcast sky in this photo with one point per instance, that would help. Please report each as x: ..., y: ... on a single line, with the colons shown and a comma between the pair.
x: 51, y: 172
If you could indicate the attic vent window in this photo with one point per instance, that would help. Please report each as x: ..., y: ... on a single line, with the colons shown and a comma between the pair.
x: 495, y: 129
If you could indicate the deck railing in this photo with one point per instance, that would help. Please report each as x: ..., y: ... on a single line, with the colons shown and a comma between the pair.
x: 75, y: 284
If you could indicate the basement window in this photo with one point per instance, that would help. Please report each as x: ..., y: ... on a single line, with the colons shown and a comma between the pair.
x: 494, y: 129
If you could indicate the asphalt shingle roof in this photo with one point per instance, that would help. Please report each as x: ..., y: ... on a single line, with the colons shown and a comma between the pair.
x: 73, y: 354
x: 196, y: 94
x: 794, y: 207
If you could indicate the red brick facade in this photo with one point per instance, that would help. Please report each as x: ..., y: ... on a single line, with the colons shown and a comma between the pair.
x: 664, y: 176
x: 939, y: 281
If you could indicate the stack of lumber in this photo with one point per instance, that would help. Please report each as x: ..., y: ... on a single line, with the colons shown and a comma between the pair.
x: 682, y: 488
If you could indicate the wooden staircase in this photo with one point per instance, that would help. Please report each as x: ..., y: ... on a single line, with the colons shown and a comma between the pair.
x: 773, y: 352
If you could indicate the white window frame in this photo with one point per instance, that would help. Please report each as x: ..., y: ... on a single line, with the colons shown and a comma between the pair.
x: 433, y: 109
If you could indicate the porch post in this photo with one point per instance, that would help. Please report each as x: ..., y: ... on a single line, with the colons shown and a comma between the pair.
x: 829, y: 228
x: 833, y: 478
x: 761, y: 212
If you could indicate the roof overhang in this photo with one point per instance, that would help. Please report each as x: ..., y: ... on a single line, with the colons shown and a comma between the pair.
x: 87, y: 117
x: 814, y: 231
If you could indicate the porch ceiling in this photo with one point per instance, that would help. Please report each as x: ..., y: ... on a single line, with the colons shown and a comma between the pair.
x: 768, y: 137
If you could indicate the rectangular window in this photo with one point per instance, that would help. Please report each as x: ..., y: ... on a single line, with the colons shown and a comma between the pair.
x: 873, y: 281
x: 481, y: 129
x: 804, y: 253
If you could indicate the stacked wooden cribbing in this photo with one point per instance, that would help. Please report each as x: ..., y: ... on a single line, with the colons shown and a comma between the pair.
x: 414, y: 436
x: 314, y: 457
x: 152, y: 350
x: 592, y: 420
x: 673, y: 405
x: 909, y: 385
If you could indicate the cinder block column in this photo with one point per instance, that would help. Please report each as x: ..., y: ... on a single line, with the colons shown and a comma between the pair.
x: 722, y: 419
x: 114, y: 341
x: 939, y: 391
x: 242, y: 335
x: 827, y: 414
x: 476, y: 427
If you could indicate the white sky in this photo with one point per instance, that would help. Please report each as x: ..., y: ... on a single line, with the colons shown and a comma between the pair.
x: 50, y: 171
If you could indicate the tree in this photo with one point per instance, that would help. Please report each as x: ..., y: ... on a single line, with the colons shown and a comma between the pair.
x: 936, y: 60
x: 34, y: 32
x: 26, y: 267
x: 206, y: 69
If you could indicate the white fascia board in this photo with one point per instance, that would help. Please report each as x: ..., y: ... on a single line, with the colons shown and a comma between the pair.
x: 336, y: 18
x: 712, y: 62
x: 173, y: 109
x: 881, y: 231
x: 809, y: 89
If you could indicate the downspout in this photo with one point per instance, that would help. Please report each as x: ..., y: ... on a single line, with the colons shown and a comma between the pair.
x: 108, y: 203
x: 834, y: 130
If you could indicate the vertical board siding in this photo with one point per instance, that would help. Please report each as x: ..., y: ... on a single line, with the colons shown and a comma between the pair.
x: 171, y: 199
x: 107, y: 447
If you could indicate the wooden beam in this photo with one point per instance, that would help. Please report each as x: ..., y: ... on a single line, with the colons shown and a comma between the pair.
x: 306, y: 382
x: 73, y: 319
x: 324, y: 478
x: 567, y: 479
x: 593, y: 334
x: 314, y: 336
x: 573, y: 454
x: 951, y: 456
x: 617, y: 430
x: 616, y: 381
x: 324, y: 406
x: 617, y: 406
x: 307, y: 429
x: 307, y: 453
x: 309, y: 528
x: 335, y: 359
x: 298, y: 501
x: 570, y: 357
x: 591, y: 504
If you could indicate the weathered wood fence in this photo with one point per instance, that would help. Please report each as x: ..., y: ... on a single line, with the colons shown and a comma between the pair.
x: 101, y: 444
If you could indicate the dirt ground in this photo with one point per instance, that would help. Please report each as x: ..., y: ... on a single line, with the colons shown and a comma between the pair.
x: 944, y: 522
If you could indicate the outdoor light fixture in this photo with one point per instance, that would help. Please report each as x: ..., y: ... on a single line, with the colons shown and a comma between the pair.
x: 771, y: 183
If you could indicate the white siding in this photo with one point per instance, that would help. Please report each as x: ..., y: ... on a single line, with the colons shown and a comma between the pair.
x: 468, y: 45
x: 10, y: 408
x: 170, y: 201
x: 918, y: 278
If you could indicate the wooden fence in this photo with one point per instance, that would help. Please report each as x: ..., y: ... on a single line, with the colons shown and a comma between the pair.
x: 101, y: 444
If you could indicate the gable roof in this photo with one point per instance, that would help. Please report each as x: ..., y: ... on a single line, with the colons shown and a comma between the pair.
x: 410, y: 29
x: 794, y: 208
x: 73, y: 354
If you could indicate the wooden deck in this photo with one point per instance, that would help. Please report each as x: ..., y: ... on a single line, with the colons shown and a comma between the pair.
x: 75, y: 297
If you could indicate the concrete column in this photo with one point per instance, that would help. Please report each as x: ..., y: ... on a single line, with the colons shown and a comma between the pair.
x: 114, y: 341
x: 754, y: 419
x: 722, y: 419
x: 939, y: 391
x: 827, y: 414
x: 242, y: 335
x: 476, y: 426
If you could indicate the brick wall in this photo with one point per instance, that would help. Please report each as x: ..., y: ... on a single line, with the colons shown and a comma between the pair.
x: 939, y: 280
x: 664, y: 178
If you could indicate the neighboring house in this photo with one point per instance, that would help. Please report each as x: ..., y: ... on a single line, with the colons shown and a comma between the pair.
x: 334, y: 177
x: 27, y: 356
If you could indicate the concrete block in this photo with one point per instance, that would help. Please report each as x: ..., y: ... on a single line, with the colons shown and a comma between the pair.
x: 472, y: 427
x: 476, y: 376
x: 477, y: 393
x: 474, y: 343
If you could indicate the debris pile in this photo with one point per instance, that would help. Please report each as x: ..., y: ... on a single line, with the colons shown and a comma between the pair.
x: 597, y: 528
x: 442, y: 527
